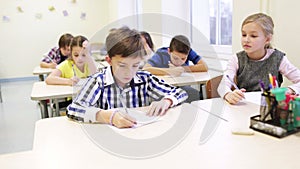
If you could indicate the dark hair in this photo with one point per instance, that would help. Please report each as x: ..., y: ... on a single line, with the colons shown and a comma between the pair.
x: 77, y: 41
x: 64, y: 40
x: 125, y: 42
x: 180, y: 44
x: 148, y: 38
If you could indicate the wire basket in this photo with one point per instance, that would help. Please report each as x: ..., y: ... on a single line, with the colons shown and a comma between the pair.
x: 275, y: 119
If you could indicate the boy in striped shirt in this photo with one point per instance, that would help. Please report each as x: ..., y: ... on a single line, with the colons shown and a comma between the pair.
x: 99, y: 98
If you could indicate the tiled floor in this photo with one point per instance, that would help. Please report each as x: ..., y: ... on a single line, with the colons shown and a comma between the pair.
x: 18, y: 114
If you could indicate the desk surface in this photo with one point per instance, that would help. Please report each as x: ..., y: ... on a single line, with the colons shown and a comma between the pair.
x: 231, y: 151
x: 26, y: 159
x: 61, y: 143
x: 42, y: 91
x: 41, y: 71
x: 187, y: 79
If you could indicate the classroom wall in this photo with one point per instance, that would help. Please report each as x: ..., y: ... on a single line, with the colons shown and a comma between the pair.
x: 27, y: 35
x: 286, y: 30
x: 31, y: 33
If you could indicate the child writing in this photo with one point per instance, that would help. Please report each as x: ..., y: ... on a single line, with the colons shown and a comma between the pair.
x: 99, y: 98
x: 175, y: 59
x: 79, y: 65
x: 256, y: 61
x: 57, y: 54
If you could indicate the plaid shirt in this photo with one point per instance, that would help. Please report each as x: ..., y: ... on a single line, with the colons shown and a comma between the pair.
x: 55, y: 55
x: 101, y: 92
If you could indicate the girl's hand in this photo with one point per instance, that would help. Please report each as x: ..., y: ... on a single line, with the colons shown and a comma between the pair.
x: 159, y: 108
x: 235, y: 96
x: 122, y: 120
x: 74, y: 80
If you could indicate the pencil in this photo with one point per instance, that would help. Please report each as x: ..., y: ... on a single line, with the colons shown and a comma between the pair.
x: 73, y: 70
x: 232, y: 83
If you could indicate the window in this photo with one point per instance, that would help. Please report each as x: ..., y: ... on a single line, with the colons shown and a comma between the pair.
x: 220, y: 21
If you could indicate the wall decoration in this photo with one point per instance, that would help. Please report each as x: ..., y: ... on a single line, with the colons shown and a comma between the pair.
x: 83, y: 15
x: 20, y: 9
x: 38, y: 16
x: 51, y: 8
x: 65, y: 12
x: 5, y: 19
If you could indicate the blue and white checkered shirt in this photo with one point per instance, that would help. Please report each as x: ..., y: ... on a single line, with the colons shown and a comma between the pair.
x: 101, y: 92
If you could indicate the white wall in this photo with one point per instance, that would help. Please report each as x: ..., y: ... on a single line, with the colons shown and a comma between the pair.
x: 180, y: 24
x: 24, y: 39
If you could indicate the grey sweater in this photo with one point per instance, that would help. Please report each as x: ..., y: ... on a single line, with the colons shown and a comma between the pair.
x: 250, y: 71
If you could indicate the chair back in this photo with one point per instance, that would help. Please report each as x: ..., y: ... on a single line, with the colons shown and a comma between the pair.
x: 212, y: 87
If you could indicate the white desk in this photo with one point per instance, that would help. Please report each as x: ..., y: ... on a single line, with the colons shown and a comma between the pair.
x: 41, y: 72
x: 26, y: 159
x: 238, y: 151
x: 41, y: 92
x: 62, y: 143
x: 187, y: 79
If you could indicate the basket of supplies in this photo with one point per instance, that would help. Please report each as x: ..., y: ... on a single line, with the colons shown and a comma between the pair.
x: 279, y: 113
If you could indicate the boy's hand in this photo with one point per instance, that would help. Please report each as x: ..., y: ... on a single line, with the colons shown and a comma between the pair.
x: 159, y: 108
x: 176, y: 71
x: 122, y: 120
x: 235, y: 96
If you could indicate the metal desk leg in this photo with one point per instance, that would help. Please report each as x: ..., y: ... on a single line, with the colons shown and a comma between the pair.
x: 0, y: 95
x: 41, y: 77
x: 56, y: 107
x: 203, y: 89
x: 44, y: 109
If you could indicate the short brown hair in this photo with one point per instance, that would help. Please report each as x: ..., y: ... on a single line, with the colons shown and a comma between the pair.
x: 180, y: 44
x: 125, y: 42
x: 65, y: 40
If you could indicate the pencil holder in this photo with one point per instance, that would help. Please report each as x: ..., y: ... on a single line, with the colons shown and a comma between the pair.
x: 296, y: 111
x: 276, y: 118
x: 267, y: 106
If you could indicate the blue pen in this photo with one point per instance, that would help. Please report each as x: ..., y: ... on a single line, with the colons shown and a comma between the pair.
x: 270, y: 86
x: 262, y: 85
x: 232, y: 83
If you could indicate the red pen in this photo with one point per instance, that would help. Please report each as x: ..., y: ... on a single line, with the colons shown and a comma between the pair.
x: 274, y: 82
